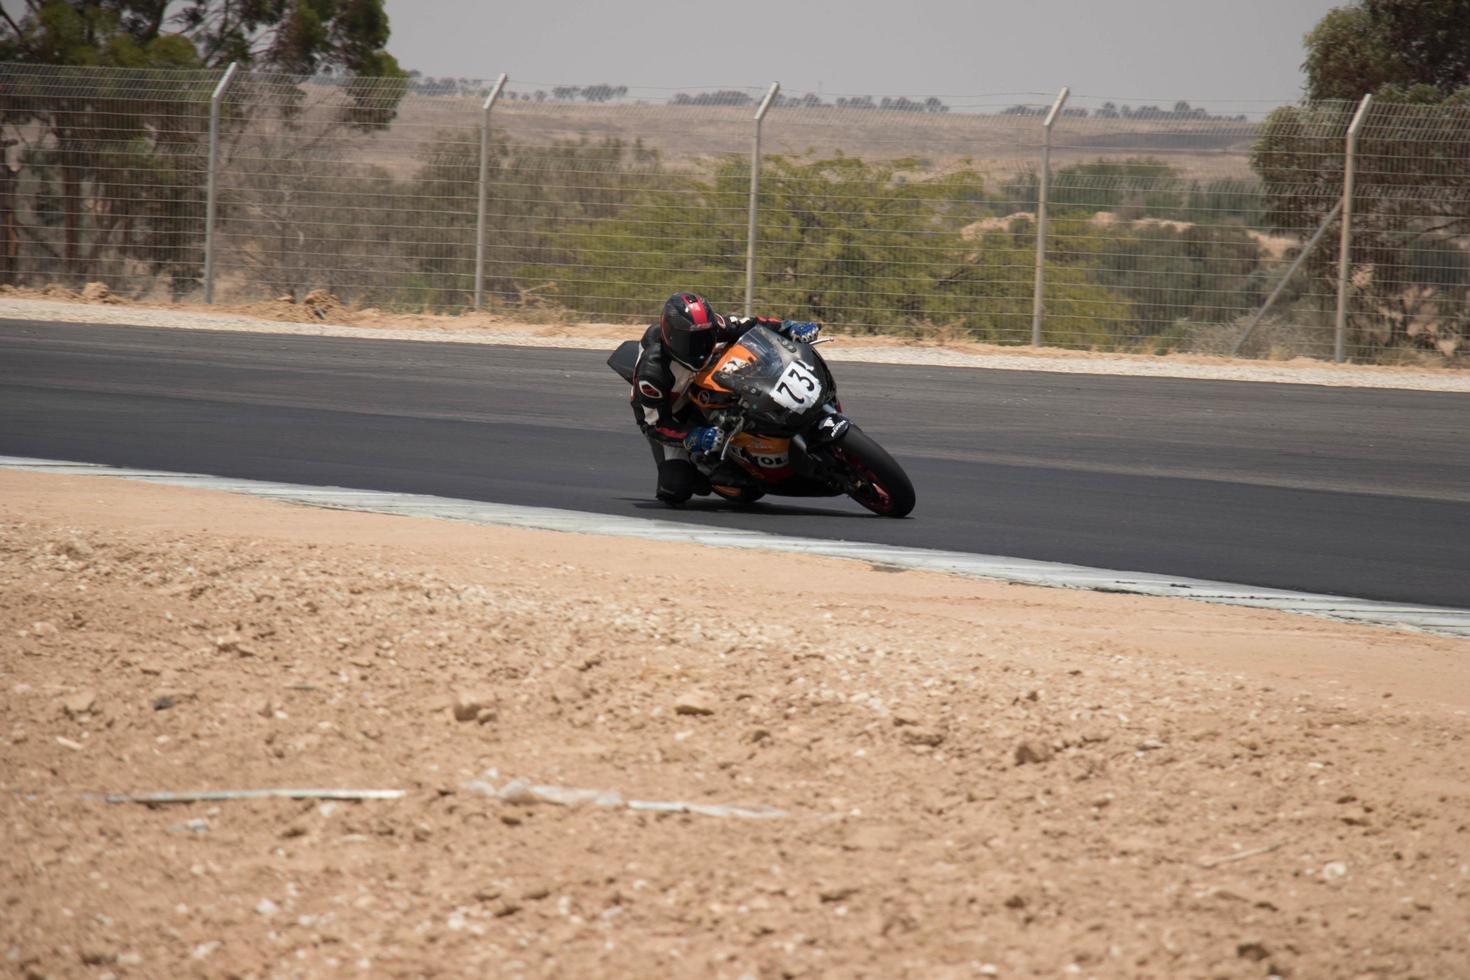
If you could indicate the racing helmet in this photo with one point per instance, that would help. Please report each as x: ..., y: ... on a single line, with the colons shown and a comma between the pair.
x: 688, y: 327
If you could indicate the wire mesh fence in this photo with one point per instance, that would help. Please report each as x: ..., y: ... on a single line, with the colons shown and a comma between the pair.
x: 360, y: 188
x: 104, y: 176
x: 1168, y: 227
x: 1410, y: 270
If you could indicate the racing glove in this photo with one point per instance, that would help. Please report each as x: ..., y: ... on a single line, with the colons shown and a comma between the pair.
x: 704, y: 439
x: 801, y: 331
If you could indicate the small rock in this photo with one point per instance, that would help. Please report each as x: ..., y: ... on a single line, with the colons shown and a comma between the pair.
x: 233, y: 643
x: 196, y: 826
x: 80, y: 703
x: 1333, y: 870
x: 321, y: 299
x: 923, y: 736
x: 129, y: 959
x: 837, y: 893
x: 205, y: 950
x: 1033, y: 752
x: 97, y: 955
x: 261, y: 705
x: 1016, y: 902
x: 469, y: 704
x: 1150, y: 745
x: 902, y: 718
x: 569, y: 687
x: 97, y: 292
x: 77, y: 548
x: 266, y: 907
x: 43, y: 628
x: 151, y: 667
x: 163, y: 703
x: 1252, y: 950
x: 693, y: 703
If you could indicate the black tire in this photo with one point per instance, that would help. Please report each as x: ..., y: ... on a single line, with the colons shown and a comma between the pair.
x: 880, y: 484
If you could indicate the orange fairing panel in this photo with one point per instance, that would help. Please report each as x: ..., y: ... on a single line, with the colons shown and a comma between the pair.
x: 767, y: 457
x: 735, y: 353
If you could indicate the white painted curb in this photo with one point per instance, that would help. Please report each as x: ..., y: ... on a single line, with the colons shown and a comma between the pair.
x: 1434, y: 619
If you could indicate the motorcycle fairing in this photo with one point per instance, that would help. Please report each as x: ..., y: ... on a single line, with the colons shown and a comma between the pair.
x: 779, y: 378
x: 768, y: 458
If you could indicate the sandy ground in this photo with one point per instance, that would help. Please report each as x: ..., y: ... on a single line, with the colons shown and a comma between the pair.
x: 975, y: 779
x: 320, y: 314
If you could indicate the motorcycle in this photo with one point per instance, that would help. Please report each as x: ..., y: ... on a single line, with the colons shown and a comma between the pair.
x: 775, y: 402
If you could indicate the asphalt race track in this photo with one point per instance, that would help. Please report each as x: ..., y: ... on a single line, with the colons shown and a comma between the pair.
x: 1356, y: 492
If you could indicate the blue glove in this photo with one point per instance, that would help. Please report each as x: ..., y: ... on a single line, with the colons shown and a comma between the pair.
x: 703, y: 439
x: 801, y: 331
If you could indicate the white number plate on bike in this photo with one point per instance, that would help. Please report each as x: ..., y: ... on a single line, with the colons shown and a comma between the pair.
x: 798, y: 389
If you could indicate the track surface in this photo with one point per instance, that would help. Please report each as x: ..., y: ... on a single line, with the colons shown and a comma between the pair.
x: 1346, y: 491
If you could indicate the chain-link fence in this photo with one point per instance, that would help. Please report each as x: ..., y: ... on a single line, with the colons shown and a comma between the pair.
x: 1168, y: 228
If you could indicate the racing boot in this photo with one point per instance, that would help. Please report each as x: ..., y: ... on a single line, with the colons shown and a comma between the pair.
x: 678, y: 480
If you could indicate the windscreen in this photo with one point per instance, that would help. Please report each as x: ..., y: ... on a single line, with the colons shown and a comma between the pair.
x: 776, y: 383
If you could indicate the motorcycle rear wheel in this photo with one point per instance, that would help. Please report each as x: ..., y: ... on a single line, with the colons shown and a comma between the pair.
x: 878, y: 483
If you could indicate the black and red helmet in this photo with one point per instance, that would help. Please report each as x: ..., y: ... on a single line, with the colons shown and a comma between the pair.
x: 688, y: 327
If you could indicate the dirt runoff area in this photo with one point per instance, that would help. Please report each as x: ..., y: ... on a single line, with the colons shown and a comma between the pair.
x: 883, y: 774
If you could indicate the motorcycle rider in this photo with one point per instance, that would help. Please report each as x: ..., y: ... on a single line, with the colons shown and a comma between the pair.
x: 674, y: 350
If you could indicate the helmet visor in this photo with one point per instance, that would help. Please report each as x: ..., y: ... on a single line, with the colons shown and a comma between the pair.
x: 691, y: 347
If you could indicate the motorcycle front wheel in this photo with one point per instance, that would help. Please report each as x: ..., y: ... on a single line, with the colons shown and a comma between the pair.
x: 873, y: 478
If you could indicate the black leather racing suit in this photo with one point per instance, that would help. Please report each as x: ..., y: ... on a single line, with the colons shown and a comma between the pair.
x: 659, y: 383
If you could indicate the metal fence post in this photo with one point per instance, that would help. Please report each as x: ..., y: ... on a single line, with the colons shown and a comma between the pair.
x: 484, y: 180
x: 1286, y: 277
x: 210, y: 181
x: 1349, y: 172
x: 1043, y: 192
x: 755, y: 180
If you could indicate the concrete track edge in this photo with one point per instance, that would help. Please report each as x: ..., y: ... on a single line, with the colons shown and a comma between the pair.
x: 1433, y: 619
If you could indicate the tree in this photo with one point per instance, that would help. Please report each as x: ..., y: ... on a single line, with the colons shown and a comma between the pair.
x: 724, y: 97
x: 604, y: 92
x: 303, y: 37
x: 1411, y: 218
x: 1389, y: 44
x: 127, y: 153
x: 872, y: 247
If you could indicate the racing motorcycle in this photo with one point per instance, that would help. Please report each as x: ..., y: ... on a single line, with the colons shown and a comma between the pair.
x: 784, y: 433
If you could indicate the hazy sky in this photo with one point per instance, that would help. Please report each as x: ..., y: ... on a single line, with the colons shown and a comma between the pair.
x: 1131, y: 50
